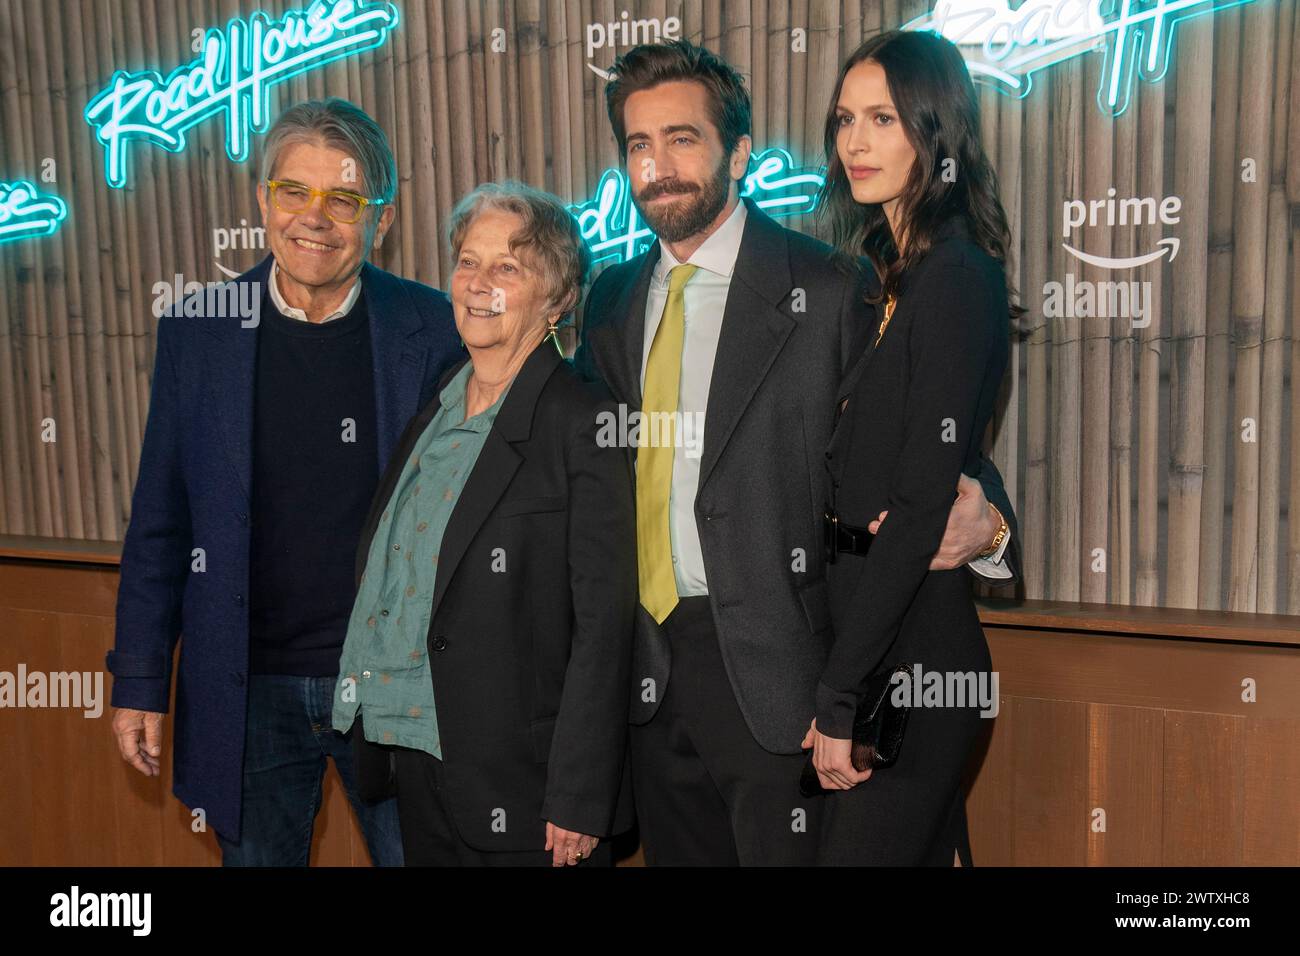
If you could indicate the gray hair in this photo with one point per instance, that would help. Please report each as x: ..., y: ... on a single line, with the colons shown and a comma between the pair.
x: 340, y: 125
x: 549, y: 240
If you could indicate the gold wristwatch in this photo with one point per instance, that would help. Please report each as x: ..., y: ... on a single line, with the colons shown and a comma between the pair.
x: 1003, y: 531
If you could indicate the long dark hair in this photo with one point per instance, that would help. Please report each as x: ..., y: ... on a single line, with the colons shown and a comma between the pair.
x: 936, y: 102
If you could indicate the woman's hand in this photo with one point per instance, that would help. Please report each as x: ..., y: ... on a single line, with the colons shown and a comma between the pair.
x: 831, y: 760
x: 568, y: 847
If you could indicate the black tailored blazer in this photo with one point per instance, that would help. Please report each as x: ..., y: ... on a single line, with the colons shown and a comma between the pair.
x: 918, y: 404
x: 793, y: 323
x: 530, y: 665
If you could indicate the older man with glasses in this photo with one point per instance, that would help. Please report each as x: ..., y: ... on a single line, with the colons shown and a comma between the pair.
x: 266, y: 438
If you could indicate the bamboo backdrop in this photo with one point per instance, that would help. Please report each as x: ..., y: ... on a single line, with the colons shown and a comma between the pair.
x: 1128, y: 440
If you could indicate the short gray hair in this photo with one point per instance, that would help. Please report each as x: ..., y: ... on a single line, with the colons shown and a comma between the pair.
x: 340, y: 125
x: 549, y: 240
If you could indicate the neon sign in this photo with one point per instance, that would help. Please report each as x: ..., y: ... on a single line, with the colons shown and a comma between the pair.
x: 233, y: 74
x: 613, y: 229
x: 1005, y: 47
x: 25, y: 213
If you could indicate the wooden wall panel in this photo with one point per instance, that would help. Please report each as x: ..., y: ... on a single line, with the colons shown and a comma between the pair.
x: 990, y: 781
x: 1271, y: 792
x: 1126, y: 783
x: 1150, y: 728
x: 20, y: 742
x: 72, y: 799
x: 1048, y: 797
x: 1204, y: 776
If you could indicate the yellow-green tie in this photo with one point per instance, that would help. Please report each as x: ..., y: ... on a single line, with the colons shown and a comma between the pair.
x: 654, y: 463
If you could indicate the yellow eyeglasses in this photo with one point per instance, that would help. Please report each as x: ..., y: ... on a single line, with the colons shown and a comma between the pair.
x: 338, y: 204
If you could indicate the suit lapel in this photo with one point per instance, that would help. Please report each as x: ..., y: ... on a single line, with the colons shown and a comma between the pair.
x: 399, y: 366
x: 621, y: 342
x: 492, y: 474
x: 495, y: 467
x: 952, y: 227
x: 399, y: 359
x: 755, y: 326
x: 232, y: 356
x: 856, y: 370
x: 840, y: 432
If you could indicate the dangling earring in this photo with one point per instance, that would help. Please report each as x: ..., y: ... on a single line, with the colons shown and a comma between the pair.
x: 553, y: 333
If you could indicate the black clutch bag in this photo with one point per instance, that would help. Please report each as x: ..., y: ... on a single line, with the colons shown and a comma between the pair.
x: 877, y: 730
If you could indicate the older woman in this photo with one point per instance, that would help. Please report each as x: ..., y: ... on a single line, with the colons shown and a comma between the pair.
x: 488, y: 652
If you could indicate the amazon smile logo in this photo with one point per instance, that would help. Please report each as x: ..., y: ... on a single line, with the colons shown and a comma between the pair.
x: 1111, y: 211
x: 1131, y: 299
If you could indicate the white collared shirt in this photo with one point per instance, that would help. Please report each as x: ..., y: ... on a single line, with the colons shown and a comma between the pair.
x: 704, y: 300
x: 992, y: 566
x: 293, y: 313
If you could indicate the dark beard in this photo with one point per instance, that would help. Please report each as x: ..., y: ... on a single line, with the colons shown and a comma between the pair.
x: 691, y: 216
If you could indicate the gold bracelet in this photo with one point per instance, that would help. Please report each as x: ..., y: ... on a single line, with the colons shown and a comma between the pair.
x: 1003, y: 530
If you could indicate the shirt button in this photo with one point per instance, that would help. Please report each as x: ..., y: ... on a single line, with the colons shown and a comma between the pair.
x: 829, y: 455
x: 366, y: 674
x: 239, y: 599
x: 439, y: 643
x: 397, y: 547
x: 384, y: 612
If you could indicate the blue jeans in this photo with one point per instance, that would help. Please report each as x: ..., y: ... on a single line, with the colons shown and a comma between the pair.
x: 288, y: 738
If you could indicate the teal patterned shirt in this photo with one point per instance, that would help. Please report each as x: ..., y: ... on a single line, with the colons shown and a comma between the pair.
x: 384, y: 670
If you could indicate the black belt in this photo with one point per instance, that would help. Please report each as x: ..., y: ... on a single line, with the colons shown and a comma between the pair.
x: 841, y: 538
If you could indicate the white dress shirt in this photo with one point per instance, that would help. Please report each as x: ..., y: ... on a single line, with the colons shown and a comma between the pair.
x: 993, y: 566
x: 704, y: 301
x: 286, y: 309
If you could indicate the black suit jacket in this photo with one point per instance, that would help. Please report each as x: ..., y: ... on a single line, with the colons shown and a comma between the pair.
x: 917, y: 406
x: 531, y: 625
x: 793, y: 323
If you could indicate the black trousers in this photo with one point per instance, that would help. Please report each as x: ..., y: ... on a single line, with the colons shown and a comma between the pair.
x: 429, y: 835
x: 913, y: 813
x: 706, y: 793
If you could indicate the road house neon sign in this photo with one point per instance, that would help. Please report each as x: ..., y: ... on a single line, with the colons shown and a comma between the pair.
x: 25, y: 213
x: 1006, y: 47
x: 613, y: 229
x: 233, y: 74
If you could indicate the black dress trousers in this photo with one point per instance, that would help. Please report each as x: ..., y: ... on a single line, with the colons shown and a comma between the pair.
x: 429, y: 835
x: 706, y: 793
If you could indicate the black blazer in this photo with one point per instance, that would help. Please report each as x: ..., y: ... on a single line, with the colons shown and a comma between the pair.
x: 793, y: 323
x: 530, y: 664
x: 918, y: 406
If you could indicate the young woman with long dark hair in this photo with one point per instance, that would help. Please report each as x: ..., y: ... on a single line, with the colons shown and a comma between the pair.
x: 910, y: 191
